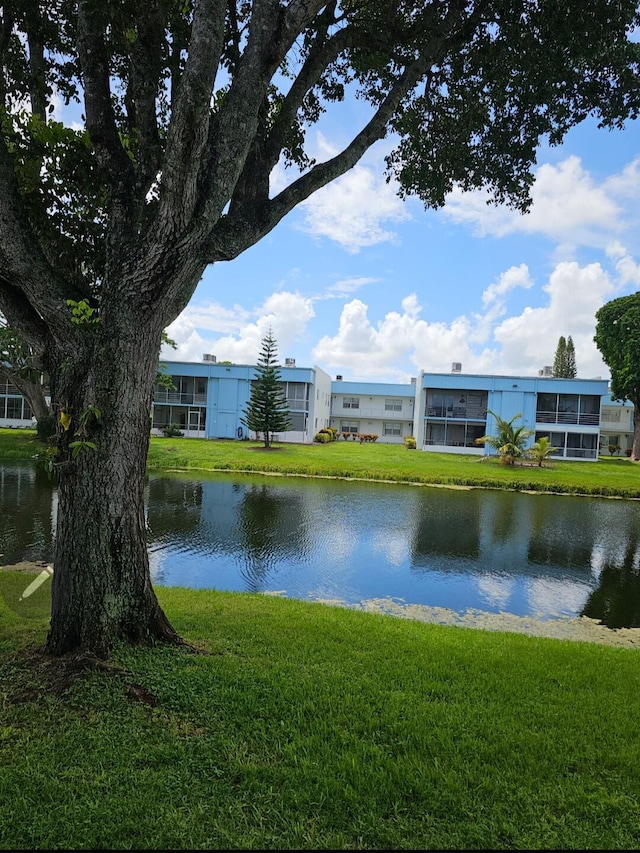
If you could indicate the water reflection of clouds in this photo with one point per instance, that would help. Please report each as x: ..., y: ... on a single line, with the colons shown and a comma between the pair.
x: 546, y: 595
x: 393, y: 546
x: 606, y: 553
x: 339, y: 539
x: 157, y: 559
x: 495, y: 589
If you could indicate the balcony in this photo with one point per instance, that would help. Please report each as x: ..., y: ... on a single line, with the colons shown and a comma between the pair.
x: 377, y: 412
x: 580, y: 418
x: 178, y: 398
x: 461, y: 413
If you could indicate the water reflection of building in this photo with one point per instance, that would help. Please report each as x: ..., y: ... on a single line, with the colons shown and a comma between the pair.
x: 522, y: 552
x: 28, y: 507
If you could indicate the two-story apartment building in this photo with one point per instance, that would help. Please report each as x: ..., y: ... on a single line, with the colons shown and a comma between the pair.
x: 454, y: 410
x: 210, y: 399
x: 377, y: 408
x: 443, y: 411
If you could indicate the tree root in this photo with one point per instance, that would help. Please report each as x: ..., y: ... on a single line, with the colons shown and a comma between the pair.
x: 38, y: 673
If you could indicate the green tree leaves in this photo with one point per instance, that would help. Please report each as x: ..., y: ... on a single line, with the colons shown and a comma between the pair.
x: 618, y: 339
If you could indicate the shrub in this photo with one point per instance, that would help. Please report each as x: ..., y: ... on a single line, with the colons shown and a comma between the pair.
x: 410, y: 442
x: 322, y: 437
x: 172, y: 431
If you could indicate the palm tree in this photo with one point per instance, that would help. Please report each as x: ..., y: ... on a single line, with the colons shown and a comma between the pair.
x: 510, y: 441
x: 541, y: 449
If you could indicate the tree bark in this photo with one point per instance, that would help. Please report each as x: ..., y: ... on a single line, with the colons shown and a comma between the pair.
x: 34, y: 394
x: 635, y: 445
x: 102, y: 590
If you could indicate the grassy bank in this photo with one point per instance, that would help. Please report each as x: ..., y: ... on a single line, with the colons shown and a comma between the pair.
x: 313, y: 727
x: 305, y: 726
x: 608, y: 476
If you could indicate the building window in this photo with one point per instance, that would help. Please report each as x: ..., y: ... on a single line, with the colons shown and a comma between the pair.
x: 392, y: 429
x: 568, y: 409
x: 349, y: 426
x: 297, y: 395
x: 609, y: 440
x: 351, y: 403
x: 14, y: 408
x: 557, y: 440
x: 611, y: 415
x: 466, y: 405
x: 298, y: 421
x: 452, y: 434
x: 393, y: 405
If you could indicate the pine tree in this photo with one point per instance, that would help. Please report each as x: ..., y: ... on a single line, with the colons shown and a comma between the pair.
x: 564, y: 362
x: 571, y: 367
x: 560, y: 359
x: 268, y: 410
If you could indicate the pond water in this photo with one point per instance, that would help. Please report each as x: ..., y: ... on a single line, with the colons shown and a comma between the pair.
x: 545, y: 556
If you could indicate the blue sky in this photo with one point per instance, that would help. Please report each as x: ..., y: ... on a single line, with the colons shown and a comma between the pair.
x: 373, y: 288
x: 370, y: 287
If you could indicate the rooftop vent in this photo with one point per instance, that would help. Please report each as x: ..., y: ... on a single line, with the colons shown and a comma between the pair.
x: 339, y: 378
x: 456, y: 367
x: 289, y: 362
x: 207, y: 356
x: 547, y: 370
x: 413, y: 380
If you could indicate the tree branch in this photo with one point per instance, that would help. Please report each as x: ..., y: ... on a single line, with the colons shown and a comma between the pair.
x: 23, y: 266
x: 142, y: 92
x: 232, y: 235
x: 21, y: 316
x: 272, y: 31
x: 100, y: 118
x: 189, y: 127
x: 319, y: 58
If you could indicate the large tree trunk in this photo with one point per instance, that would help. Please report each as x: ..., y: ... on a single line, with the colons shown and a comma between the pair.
x: 102, y: 589
x: 635, y: 445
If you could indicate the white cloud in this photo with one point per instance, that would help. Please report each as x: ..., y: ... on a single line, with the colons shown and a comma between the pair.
x: 574, y: 294
x: 363, y: 350
x: 484, y: 342
x: 507, y: 281
x: 286, y: 314
x: 627, y: 268
x: 354, y: 210
x: 346, y: 286
x: 568, y: 206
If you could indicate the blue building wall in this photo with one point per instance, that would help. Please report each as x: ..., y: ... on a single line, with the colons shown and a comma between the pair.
x: 507, y: 396
x: 228, y: 391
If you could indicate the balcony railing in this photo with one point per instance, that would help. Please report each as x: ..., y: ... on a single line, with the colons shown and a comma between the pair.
x: 463, y: 413
x: 377, y: 412
x: 432, y: 442
x: 581, y: 453
x: 582, y: 418
x: 179, y: 398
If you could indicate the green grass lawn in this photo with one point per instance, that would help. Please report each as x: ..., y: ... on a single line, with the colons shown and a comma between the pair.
x: 608, y: 476
x: 306, y: 726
